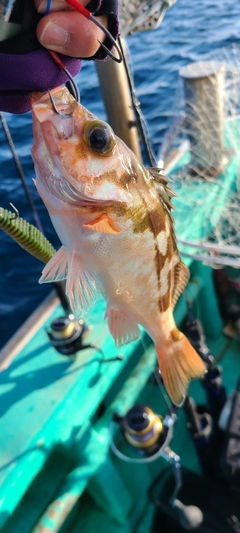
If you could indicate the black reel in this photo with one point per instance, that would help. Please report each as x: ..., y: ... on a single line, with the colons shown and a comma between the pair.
x: 143, y: 429
x: 67, y: 335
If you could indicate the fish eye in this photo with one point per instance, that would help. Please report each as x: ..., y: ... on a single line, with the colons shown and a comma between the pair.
x: 99, y: 137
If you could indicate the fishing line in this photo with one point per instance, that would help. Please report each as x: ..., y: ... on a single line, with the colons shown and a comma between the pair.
x: 57, y: 285
x: 191, y: 302
x: 48, y: 8
x: 76, y: 6
x: 140, y: 121
x: 157, y: 376
x: 20, y: 172
x: 73, y: 86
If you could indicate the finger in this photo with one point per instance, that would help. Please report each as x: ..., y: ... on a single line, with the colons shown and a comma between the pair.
x: 70, y: 33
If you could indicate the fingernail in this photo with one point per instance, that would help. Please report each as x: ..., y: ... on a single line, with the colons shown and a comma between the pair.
x: 54, y: 35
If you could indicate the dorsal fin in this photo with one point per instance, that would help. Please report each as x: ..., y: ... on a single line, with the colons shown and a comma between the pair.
x: 161, y: 183
x: 157, y: 174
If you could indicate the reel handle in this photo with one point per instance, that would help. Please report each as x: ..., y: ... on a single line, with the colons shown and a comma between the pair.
x: 189, y: 516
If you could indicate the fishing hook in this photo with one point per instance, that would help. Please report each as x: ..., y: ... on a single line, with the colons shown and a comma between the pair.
x: 74, y: 4
x: 16, y: 214
x: 60, y: 64
x: 68, y: 115
x: 74, y: 88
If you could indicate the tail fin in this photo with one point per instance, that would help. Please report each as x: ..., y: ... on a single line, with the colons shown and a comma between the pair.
x: 179, y: 363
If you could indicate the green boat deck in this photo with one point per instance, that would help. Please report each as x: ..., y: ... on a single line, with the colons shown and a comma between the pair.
x: 57, y: 472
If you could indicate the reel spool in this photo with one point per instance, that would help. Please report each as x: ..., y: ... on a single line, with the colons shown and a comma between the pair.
x: 67, y: 335
x: 143, y: 429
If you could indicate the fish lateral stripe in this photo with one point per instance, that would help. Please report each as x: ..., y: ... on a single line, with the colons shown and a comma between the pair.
x: 154, y: 221
x: 157, y: 221
x: 165, y: 264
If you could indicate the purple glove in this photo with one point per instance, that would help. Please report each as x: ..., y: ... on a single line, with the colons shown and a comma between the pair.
x: 24, y: 73
x: 26, y: 66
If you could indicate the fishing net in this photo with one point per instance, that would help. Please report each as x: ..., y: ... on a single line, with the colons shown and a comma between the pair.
x: 138, y: 15
x: 201, y: 154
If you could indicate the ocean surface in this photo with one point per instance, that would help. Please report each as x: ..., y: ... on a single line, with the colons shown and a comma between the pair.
x: 189, y: 31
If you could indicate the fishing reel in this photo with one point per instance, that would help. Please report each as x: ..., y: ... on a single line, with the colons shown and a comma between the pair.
x: 67, y: 335
x: 150, y: 435
x: 143, y: 429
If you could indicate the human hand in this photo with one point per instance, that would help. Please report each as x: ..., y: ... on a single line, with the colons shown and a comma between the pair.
x: 67, y: 32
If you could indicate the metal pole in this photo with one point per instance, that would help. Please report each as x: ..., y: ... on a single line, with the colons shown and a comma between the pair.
x: 203, y: 86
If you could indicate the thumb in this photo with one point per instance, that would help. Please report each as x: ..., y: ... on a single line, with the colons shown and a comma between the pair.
x: 71, y: 34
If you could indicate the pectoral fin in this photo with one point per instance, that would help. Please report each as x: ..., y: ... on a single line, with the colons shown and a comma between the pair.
x: 81, y: 287
x: 103, y: 224
x: 56, y: 268
x: 121, y: 326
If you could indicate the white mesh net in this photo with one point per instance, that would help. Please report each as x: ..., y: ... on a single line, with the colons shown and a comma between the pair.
x: 201, y: 154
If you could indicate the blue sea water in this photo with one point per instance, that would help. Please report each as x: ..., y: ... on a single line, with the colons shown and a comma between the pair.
x: 189, y: 31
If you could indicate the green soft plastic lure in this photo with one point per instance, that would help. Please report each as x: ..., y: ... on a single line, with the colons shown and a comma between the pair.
x: 26, y: 235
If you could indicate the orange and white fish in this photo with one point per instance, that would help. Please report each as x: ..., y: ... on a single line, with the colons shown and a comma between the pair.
x: 113, y: 218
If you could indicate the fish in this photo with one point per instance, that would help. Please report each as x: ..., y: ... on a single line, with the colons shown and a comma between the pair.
x: 113, y: 218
